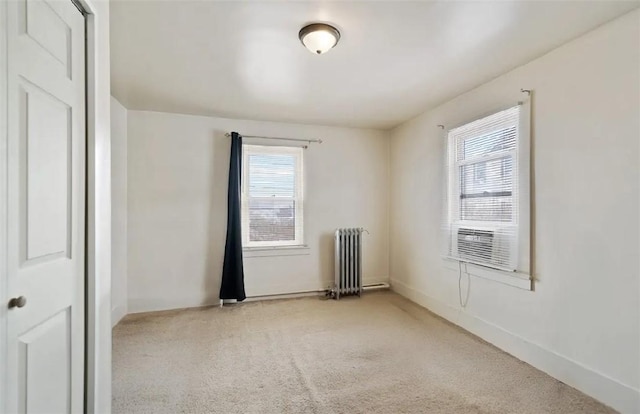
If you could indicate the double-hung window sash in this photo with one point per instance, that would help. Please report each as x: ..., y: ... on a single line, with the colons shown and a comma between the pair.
x: 272, y: 196
x: 481, y: 215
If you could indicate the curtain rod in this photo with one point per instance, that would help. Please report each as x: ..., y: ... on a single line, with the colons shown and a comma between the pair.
x: 318, y: 141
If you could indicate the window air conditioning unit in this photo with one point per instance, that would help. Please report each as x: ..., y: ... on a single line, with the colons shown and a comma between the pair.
x: 493, y: 247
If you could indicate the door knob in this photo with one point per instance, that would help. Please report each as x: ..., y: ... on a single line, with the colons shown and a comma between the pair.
x: 18, y: 302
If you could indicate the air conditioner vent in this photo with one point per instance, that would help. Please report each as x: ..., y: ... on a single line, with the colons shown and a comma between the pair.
x: 475, y: 244
x: 493, y: 247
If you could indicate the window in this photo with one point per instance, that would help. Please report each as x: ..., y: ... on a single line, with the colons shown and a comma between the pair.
x: 483, y: 200
x: 272, y: 197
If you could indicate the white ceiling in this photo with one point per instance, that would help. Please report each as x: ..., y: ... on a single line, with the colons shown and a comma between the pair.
x: 394, y: 60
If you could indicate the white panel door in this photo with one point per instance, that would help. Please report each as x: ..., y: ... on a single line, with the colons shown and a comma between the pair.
x: 45, y: 207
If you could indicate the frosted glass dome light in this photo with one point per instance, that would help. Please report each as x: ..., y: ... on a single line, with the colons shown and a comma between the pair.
x: 319, y: 38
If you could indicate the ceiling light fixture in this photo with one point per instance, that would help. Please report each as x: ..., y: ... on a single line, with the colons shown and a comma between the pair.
x: 319, y: 38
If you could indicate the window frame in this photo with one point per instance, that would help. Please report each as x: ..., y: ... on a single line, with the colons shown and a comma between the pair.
x: 522, y: 176
x: 257, y: 149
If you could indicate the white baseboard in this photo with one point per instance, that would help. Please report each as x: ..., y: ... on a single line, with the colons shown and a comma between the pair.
x: 138, y: 305
x: 285, y: 296
x: 601, y: 387
x: 117, y: 313
x: 317, y: 292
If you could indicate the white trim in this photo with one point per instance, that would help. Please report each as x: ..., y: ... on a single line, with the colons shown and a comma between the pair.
x: 3, y: 205
x: 264, y: 245
x: 117, y: 313
x: 92, y: 323
x: 298, y: 153
x: 254, y: 298
x: 258, y: 298
x: 376, y: 286
x: 135, y: 305
x: 366, y: 288
x: 98, y: 258
x: 515, y: 279
x: 525, y: 190
x: 621, y: 397
x: 301, y: 250
x: 520, y: 255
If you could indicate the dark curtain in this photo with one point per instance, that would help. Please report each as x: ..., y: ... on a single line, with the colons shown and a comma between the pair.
x: 232, y: 286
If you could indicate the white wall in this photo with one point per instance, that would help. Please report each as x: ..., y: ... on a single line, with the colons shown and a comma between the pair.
x: 118, y: 211
x: 177, y: 208
x: 582, y: 323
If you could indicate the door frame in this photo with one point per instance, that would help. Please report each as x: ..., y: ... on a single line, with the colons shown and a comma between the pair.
x: 97, y: 382
x: 3, y: 203
x: 97, y: 371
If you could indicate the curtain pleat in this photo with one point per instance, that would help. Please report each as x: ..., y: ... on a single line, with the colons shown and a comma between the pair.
x: 232, y: 286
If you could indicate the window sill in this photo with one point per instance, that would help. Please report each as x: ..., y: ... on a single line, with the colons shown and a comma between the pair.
x: 515, y: 279
x: 267, y: 251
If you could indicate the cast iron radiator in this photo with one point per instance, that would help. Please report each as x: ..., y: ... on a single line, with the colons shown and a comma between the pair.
x: 348, y: 273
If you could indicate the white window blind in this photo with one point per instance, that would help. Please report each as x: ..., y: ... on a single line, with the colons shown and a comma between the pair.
x: 272, y: 196
x: 481, y: 220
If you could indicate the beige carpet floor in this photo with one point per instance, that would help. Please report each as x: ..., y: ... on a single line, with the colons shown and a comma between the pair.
x: 377, y: 354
